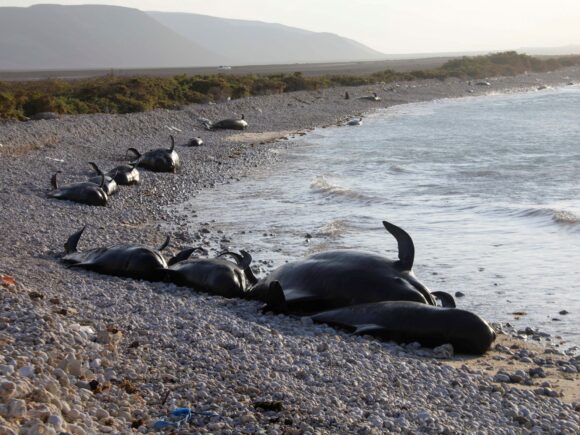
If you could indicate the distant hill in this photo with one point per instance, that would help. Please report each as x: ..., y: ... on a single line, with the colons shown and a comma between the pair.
x: 259, y: 43
x: 83, y: 37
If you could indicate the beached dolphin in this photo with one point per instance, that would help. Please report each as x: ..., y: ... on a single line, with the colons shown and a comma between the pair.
x: 110, y: 186
x: 84, y: 193
x: 130, y: 261
x: 353, y: 122
x: 229, y: 124
x: 343, y: 278
x: 406, y: 322
x: 158, y: 160
x: 216, y: 276
x: 124, y: 175
x: 195, y: 142
x: 373, y: 97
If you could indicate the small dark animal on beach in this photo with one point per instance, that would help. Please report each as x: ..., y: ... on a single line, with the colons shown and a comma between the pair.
x: 216, y: 276
x: 110, y: 186
x: 341, y: 278
x: 354, y: 122
x: 406, y: 322
x: 158, y: 160
x: 346, y: 96
x: 119, y: 260
x: 124, y: 175
x: 226, y: 124
x: 84, y: 193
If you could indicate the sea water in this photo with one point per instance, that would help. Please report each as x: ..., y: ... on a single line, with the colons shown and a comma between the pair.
x: 487, y: 187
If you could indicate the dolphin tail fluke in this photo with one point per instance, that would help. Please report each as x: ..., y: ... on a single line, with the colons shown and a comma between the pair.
x: 276, y: 301
x: 446, y: 299
x: 245, y: 264
x: 206, y: 123
x: 405, y: 243
x: 72, y: 242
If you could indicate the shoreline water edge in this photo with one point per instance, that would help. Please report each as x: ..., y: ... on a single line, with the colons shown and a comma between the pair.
x: 89, y: 353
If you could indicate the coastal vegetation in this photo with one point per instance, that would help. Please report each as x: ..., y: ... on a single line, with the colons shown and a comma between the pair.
x: 20, y: 100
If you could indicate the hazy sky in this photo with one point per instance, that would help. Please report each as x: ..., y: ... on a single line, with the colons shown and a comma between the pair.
x: 397, y: 26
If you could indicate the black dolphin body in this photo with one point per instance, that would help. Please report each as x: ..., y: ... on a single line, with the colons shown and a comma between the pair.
x: 158, y: 160
x: 84, y: 193
x: 120, y: 260
x: 109, y: 186
x: 216, y: 276
x: 124, y: 175
x: 406, y: 322
x: 343, y: 278
x: 373, y: 97
x: 227, y: 124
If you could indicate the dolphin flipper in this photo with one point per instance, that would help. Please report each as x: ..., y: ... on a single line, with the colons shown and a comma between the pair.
x: 276, y: 301
x: 405, y: 243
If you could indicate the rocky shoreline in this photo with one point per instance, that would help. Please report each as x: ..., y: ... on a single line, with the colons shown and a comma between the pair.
x: 87, y: 353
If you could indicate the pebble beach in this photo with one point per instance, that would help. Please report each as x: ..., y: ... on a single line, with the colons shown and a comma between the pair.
x: 84, y: 353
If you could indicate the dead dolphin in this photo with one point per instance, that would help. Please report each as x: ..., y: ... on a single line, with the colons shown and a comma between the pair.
x: 119, y: 260
x: 406, y: 322
x: 226, y: 124
x: 373, y: 97
x: 110, y: 186
x: 84, y: 193
x: 216, y: 276
x: 195, y: 142
x: 342, y: 278
x: 124, y: 175
x: 158, y: 160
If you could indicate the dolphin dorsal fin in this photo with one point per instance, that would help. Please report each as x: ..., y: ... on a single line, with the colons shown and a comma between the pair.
x: 172, y: 143
x: 405, y: 243
x: 54, y: 180
x: 72, y: 242
x: 165, y: 244
x: 134, y: 150
x: 96, y: 168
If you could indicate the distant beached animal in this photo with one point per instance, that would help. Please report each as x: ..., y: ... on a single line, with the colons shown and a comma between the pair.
x: 407, y: 322
x: 355, y: 122
x: 129, y: 261
x: 228, y: 124
x: 346, y: 96
x: 124, y: 175
x: 195, y: 142
x: 84, y: 193
x: 483, y: 83
x: 341, y: 278
x: 158, y: 160
x: 216, y: 276
x: 110, y: 186
x: 373, y: 97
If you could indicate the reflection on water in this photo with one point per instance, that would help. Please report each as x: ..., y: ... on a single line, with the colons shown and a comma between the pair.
x: 487, y: 187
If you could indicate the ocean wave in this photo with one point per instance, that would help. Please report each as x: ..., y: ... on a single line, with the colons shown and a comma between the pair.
x: 558, y: 216
x: 328, y: 189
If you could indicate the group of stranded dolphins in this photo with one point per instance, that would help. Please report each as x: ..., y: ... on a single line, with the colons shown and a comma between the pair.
x: 364, y: 293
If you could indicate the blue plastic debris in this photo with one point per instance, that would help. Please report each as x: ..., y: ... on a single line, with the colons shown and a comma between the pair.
x: 179, y: 417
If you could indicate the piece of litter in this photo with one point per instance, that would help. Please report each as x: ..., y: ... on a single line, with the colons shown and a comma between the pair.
x: 56, y: 160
